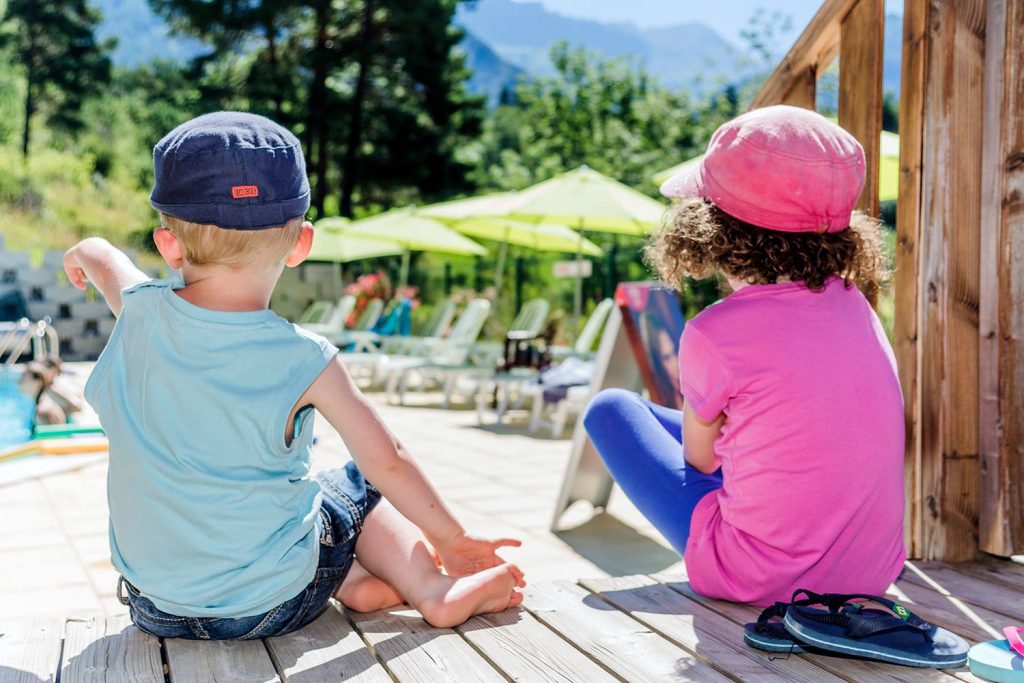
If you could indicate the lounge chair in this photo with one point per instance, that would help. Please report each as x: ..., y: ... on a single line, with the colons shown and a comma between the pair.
x: 458, y: 350
x: 364, y: 323
x: 334, y: 323
x: 365, y: 364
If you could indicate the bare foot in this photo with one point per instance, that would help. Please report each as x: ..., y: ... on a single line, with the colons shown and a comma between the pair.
x: 492, y: 590
x: 361, y: 591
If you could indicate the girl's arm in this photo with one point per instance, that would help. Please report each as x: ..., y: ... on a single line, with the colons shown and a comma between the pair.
x: 385, y: 463
x: 699, y: 440
x: 97, y: 261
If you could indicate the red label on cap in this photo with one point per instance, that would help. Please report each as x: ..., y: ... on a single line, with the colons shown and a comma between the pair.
x: 243, y: 191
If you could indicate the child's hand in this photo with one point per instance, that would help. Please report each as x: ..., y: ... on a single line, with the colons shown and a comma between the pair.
x: 464, y: 554
x: 73, y: 268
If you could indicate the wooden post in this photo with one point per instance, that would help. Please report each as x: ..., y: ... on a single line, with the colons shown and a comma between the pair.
x: 861, y: 38
x: 949, y: 263
x: 908, y: 236
x: 1001, y: 359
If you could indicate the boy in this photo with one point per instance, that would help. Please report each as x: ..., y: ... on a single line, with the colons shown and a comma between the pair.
x: 207, y: 398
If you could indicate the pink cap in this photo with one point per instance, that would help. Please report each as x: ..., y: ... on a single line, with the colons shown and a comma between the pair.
x: 782, y: 168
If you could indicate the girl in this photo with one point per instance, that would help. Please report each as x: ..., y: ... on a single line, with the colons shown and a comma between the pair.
x: 785, y: 468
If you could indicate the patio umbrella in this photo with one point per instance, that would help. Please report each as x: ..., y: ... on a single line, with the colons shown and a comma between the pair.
x: 888, y: 167
x: 330, y: 244
x: 470, y: 217
x: 586, y: 201
x: 413, y: 232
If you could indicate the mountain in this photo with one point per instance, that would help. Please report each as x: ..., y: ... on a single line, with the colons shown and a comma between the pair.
x: 491, y: 74
x: 522, y: 33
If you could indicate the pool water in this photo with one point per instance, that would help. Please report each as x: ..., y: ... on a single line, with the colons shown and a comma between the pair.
x: 16, y: 410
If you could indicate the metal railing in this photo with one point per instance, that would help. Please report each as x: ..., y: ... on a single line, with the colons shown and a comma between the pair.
x: 39, y: 339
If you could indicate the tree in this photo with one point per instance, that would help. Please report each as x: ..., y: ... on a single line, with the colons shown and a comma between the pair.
x: 607, y: 113
x: 374, y: 88
x: 63, y: 63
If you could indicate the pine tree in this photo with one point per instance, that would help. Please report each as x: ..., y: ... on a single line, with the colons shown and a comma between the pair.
x: 55, y: 44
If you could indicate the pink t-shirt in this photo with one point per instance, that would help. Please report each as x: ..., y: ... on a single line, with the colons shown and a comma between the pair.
x: 811, y: 450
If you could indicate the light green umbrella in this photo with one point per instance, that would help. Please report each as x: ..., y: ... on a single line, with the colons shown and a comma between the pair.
x: 330, y: 244
x: 473, y: 217
x: 413, y: 232
x: 888, y: 167
x: 586, y: 201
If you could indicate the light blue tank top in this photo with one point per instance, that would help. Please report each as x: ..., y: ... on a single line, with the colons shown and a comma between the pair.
x: 211, y: 513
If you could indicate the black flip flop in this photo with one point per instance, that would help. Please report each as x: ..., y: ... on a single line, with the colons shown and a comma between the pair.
x: 771, y: 636
x: 893, y: 635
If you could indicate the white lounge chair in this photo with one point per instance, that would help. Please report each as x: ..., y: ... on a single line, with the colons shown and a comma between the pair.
x: 333, y: 323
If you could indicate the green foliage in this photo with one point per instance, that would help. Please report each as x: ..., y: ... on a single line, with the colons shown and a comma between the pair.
x: 607, y: 113
x: 55, y: 45
x: 375, y: 89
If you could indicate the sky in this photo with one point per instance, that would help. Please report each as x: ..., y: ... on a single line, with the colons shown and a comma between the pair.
x: 727, y: 17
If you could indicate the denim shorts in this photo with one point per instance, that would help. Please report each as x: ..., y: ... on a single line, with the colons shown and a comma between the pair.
x: 347, y: 499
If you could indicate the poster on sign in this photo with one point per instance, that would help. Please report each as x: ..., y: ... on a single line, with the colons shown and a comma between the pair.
x: 639, y: 352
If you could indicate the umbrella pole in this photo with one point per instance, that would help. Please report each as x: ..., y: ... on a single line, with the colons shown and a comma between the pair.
x: 403, y: 274
x: 577, y: 299
x: 499, y: 271
x: 336, y: 271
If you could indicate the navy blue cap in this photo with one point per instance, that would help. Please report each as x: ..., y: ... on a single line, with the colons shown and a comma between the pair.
x: 234, y: 170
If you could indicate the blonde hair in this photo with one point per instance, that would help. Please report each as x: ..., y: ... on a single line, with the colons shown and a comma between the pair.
x: 207, y: 244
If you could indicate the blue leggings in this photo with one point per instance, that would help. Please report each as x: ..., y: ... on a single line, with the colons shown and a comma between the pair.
x: 642, y: 445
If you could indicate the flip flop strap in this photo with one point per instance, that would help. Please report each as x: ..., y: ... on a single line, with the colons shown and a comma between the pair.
x: 1012, y: 634
x: 859, y: 626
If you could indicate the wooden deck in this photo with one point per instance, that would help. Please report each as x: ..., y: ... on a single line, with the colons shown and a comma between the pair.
x: 637, y: 628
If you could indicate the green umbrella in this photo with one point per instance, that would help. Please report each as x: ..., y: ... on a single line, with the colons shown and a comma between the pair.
x: 330, y: 244
x: 413, y: 232
x: 586, y: 201
x: 888, y: 167
x: 474, y: 217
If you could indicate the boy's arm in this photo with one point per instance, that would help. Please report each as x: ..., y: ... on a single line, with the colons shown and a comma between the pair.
x: 384, y: 461
x: 699, y: 440
x: 97, y: 261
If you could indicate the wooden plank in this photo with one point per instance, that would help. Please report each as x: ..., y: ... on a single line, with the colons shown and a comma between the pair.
x: 702, y: 631
x: 803, y: 90
x: 110, y: 649
x: 997, y: 597
x: 861, y: 39
x: 908, y: 285
x: 850, y: 669
x: 526, y: 650
x: 950, y: 243
x: 30, y: 650
x: 207, y: 661
x: 813, y: 51
x: 969, y: 621
x: 1001, y: 571
x: 1001, y: 361
x: 328, y: 649
x: 413, y: 650
x: 614, y: 640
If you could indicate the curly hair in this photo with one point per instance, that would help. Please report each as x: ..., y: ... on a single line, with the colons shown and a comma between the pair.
x: 700, y: 240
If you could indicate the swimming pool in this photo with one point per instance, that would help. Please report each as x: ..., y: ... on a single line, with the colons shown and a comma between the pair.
x: 15, y: 409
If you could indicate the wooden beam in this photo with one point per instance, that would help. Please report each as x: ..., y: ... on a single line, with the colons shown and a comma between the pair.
x: 861, y: 39
x: 1001, y: 359
x: 812, y: 52
x: 949, y: 261
x: 908, y: 281
x: 803, y: 91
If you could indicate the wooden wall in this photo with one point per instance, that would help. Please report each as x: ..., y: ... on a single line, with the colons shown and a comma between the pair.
x: 1001, y: 361
x: 960, y: 275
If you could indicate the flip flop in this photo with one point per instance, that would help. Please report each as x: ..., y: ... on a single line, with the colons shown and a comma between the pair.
x: 893, y: 635
x: 1000, y: 661
x: 771, y: 636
